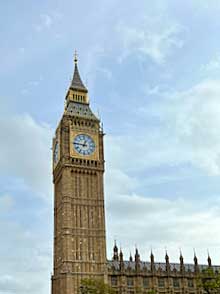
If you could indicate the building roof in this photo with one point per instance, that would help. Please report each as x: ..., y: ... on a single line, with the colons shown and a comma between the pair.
x: 113, y: 264
x: 80, y: 110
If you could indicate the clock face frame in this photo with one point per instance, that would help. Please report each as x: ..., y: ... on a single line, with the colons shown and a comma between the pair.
x: 84, y: 145
x: 56, y: 153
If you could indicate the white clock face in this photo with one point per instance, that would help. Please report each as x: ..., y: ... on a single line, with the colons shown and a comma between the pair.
x: 84, y: 144
x: 56, y: 152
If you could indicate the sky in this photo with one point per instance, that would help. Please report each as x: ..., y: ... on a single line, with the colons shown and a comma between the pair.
x: 153, y: 73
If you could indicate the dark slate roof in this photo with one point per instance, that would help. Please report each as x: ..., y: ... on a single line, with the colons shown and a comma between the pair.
x: 80, y: 110
x: 158, y: 266
x: 77, y: 83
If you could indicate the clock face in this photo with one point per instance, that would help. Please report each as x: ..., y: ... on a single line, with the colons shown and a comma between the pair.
x: 56, y: 151
x: 84, y: 144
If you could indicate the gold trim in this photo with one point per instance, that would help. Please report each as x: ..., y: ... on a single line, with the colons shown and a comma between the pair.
x: 56, y: 140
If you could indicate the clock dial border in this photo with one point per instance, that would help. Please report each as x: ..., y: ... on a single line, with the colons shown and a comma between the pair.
x: 84, y: 144
x: 95, y: 138
x: 56, y: 141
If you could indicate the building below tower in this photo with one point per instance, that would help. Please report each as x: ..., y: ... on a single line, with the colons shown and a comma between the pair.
x: 134, y: 276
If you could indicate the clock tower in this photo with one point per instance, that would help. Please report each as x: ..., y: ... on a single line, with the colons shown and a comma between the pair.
x: 79, y: 216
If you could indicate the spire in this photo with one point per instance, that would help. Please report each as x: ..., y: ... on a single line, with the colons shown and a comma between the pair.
x: 137, y: 259
x: 121, y: 256
x: 167, y: 262
x: 166, y: 258
x: 130, y: 258
x: 137, y: 256
x: 181, y: 262
x: 115, y: 252
x: 209, y: 260
x: 152, y: 265
x: 195, y: 258
x: 121, y: 260
x: 77, y: 83
x: 196, y: 266
x: 151, y: 257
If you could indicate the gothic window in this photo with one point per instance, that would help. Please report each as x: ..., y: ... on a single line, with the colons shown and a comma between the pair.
x: 114, y: 281
x: 176, y: 283
x: 145, y: 282
x: 130, y: 281
x: 190, y: 283
x: 161, y: 282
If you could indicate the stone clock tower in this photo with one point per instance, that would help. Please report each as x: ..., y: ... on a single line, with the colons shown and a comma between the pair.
x: 79, y: 217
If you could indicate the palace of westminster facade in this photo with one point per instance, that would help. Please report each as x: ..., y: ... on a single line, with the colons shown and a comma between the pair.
x: 79, y: 214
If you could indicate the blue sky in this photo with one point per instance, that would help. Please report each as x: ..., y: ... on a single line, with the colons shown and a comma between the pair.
x: 153, y: 73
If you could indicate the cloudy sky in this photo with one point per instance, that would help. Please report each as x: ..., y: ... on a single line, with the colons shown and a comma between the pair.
x: 153, y: 73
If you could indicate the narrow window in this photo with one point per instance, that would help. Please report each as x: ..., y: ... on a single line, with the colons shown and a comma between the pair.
x: 145, y: 282
x: 190, y: 283
x: 114, y: 281
x: 130, y: 281
x: 161, y: 282
x: 176, y: 282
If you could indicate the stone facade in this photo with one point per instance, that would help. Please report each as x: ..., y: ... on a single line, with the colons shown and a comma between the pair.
x: 79, y: 215
x: 79, y: 220
x: 138, y: 277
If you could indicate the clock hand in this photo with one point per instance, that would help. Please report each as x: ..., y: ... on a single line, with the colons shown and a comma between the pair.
x: 75, y: 143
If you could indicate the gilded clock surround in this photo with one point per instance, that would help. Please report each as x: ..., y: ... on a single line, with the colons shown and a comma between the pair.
x: 93, y: 135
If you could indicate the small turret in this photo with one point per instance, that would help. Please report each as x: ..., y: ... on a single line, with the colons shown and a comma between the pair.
x: 130, y: 258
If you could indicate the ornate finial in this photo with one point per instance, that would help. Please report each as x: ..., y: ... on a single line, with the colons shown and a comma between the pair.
x: 209, y: 260
x: 181, y: 261
x: 151, y: 255
x: 196, y: 266
x: 195, y: 257
x: 152, y: 265
x: 121, y: 255
x: 167, y: 262
x: 181, y: 256
x: 75, y: 57
x: 166, y: 257
x: 115, y: 252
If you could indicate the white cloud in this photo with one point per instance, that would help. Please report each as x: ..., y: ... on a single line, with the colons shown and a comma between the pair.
x: 160, y: 223
x: 212, y: 65
x: 187, y: 132
x: 151, y: 39
x: 25, y: 152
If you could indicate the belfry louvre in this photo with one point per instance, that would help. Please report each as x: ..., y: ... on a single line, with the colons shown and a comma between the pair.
x: 79, y: 214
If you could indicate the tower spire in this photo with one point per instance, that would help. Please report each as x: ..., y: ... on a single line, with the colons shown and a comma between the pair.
x: 77, y: 83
